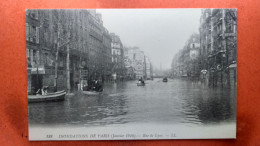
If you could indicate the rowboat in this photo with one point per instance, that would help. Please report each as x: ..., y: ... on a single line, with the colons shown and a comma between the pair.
x: 165, y: 80
x: 91, y: 92
x: 140, y: 84
x: 56, y: 96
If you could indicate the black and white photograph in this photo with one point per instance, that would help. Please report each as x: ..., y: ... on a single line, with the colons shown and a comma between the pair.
x: 131, y: 74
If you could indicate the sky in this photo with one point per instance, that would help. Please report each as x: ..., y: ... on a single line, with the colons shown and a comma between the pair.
x: 160, y: 33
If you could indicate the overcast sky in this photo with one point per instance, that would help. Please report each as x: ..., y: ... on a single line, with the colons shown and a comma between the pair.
x: 160, y: 33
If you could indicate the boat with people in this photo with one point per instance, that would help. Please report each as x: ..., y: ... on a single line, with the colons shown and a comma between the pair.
x: 91, y: 92
x: 165, y: 79
x: 56, y: 96
x: 140, y: 84
x: 94, y: 87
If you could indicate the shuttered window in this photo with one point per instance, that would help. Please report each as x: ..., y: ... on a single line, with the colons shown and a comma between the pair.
x: 30, y: 33
x: 27, y: 31
x: 37, y: 34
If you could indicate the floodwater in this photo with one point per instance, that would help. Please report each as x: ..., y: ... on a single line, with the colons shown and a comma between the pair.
x: 179, y: 102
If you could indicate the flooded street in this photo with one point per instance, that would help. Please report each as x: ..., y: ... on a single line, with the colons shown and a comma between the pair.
x: 179, y: 102
x: 67, y: 49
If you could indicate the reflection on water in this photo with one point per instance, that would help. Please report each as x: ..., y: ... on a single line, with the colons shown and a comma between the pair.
x: 175, y: 102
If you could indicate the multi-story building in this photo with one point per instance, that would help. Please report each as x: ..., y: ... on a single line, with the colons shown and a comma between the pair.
x: 139, y: 60
x: 185, y: 62
x: 107, y: 62
x: 148, y: 68
x: 65, y: 46
x: 117, y: 52
x: 99, y: 47
x: 135, y: 59
x: 218, y: 45
x: 194, y: 48
x: 33, y: 45
x: 128, y: 60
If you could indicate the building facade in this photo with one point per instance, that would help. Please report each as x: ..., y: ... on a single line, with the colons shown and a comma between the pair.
x: 148, y: 68
x: 129, y: 64
x: 212, y: 57
x: 117, y: 53
x: 64, y: 47
x: 219, y: 45
x: 186, y: 62
x: 136, y: 62
x: 99, y: 48
x: 33, y: 44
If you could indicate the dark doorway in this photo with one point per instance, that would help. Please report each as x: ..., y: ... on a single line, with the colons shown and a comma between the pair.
x: 36, y: 82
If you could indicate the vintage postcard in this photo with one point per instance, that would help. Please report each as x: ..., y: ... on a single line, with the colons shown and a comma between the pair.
x: 124, y: 74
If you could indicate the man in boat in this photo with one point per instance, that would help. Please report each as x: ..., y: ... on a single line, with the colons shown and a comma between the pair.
x: 141, y: 80
x: 98, y: 86
x: 90, y: 86
x: 165, y: 79
x: 95, y: 85
x: 43, y: 90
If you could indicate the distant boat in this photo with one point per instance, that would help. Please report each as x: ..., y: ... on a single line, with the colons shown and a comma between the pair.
x: 140, y: 84
x: 91, y: 92
x: 165, y: 79
x: 56, y: 96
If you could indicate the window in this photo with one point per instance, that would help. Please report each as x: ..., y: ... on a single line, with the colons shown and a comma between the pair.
x: 193, y: 45
x: 27, y: 53
x: 31, y: 55
x: 46, y: 58
x: 61, y: 61
x: 37, y: 34
x: 32, y: 33
x: 27, y: 31
x: 219, y: 28
x: 230, y: 29
x: 34, y: 59
x: 28, y: 57
x: 45, y: 38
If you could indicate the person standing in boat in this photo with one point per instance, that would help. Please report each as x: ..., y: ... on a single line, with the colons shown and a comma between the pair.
x: 95, y: 85
x: 43, y: 90
x: 141, y: 80
x: 91, y: 85
x: 98, y: 86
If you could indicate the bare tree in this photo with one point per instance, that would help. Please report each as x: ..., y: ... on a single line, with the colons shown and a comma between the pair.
x: 62, y: 37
